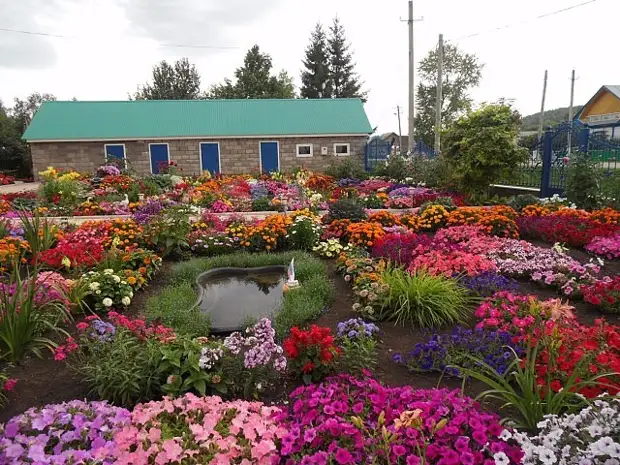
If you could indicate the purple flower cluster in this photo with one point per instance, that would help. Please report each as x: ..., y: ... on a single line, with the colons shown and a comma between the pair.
x: 488, y: 283
x: 348, y: 182
x: 259, y: 190
x: 448, y: 428
x: 145, y: 212
x: 108, y: 170
x: 356, y: 328
x: 401, y: 192
x: 444, y: 352
x: 69, y: 433
x: 103, y: 331
x: 258, y: 345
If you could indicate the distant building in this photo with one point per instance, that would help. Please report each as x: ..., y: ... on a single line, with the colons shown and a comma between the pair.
x: 602, y: 112
x: 394, y: 139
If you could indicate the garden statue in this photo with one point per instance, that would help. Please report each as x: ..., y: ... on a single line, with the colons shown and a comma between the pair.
x: 291, y: 282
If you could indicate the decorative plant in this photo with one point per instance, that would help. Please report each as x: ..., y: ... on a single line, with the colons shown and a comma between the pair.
x: 303, y: 234
x: 357, y: 340
x: 312, y: 353
x: 346, y: 209
x: 604, y: 294
x: 108, y: 289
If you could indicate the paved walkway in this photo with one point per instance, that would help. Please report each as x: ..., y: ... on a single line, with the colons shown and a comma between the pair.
x: 20, y: 187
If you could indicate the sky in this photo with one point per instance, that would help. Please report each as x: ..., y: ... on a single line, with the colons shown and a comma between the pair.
x: 110, y: 46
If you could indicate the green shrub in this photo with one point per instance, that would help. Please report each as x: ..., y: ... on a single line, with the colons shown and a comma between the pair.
x: 358, y: 354
x: 303, y: 234
x: 519, y: 202
x: 175, y: 306
x: 346, y: 169
x: 396, y: 168
x: 346, y: 209
x: 261, y: 205
x: 168, y: 231
x: 423, y: 300
x: 583, y: 182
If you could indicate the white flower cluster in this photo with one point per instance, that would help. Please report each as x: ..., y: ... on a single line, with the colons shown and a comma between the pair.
x: 590, y: 437
x: 556, y: 200
x: 209, y: 356
x: 330, y: 248
x: 108, y: 288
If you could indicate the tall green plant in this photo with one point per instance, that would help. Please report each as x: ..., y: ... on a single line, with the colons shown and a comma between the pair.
x: 39, y: 232
x: 583, y: 182
x: 23, y: 322
x: 525, y: 401
x: 423, y: 300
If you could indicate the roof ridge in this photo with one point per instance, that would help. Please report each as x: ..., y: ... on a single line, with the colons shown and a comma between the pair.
x: 213, y: 100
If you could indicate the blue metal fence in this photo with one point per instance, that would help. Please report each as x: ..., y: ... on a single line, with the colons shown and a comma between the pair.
x: 377, y: 151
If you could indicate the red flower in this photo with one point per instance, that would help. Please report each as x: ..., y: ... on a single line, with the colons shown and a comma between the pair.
x: 9, y: 384
x: 308, y: 367
x: 556, y: 386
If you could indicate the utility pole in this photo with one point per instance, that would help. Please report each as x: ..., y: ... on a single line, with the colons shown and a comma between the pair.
x: 439, y: 102
x: 570, y: 112
x: 400, y: 131
x: 542, y: 108
x: 411, y: 78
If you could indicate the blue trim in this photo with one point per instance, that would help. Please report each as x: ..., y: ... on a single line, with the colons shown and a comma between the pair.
x: 159, y: 155
x: 210, y: 157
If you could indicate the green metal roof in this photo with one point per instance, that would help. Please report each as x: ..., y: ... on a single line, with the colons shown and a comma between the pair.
x: 154, y: 119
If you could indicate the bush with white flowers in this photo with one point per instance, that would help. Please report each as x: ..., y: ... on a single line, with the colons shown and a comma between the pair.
x: 330, y: 248
x: 304, y: 233
x: 108, y: 289
x: 590, y: 437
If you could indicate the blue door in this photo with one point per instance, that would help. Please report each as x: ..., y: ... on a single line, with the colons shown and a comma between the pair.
x: 269, y: 157
x: 159, y: 157
x: 210, y: 157
x: 114, y: 151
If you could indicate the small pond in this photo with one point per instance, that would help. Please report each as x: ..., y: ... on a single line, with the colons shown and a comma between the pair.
x: 233, y: 296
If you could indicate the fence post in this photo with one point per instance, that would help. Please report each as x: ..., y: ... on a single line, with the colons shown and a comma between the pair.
x: 584, y: 139
x: 545, y: 181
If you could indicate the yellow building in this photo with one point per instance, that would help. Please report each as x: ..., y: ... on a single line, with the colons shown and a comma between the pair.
x: 602, y: 112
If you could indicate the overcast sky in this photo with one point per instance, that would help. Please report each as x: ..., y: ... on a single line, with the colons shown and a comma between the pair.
x: 111, y: 45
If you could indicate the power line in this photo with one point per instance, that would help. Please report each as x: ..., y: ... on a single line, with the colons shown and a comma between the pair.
x: 544, y: 15
x: 45, y: 34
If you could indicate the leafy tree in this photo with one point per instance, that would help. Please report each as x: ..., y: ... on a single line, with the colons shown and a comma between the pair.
x: 552, y: 118
x: 481, y: 147
x: 345, y: 82
x: 316, y: 77
x: 23, y: 110
x: 11, y: 147
x: 461, y: 72
x: 178, y: 82
x: 255, y: 81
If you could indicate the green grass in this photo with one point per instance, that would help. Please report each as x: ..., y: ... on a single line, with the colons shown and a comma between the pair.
x: 423, y: 300
x: 174, y: 305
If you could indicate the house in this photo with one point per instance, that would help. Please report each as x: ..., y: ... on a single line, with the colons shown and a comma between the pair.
x: 220, y: 136
x: 602, y: 112
x: 395, y: 139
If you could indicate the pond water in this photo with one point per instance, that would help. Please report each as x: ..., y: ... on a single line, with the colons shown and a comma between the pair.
x: 234, y: 296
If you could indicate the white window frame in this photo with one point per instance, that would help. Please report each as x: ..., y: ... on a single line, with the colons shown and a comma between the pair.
x: 219, y: 155
x: 167, y: 151
x: 304, y: 155
x: 342, y: 154
x: 105, y: 152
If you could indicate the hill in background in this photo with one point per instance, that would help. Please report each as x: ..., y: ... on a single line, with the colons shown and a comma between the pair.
x: 552, y: 118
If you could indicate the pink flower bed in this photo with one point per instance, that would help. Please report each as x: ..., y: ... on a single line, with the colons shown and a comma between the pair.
x: 451, y: 262
x: 200, y: 430
x: 608, y: 247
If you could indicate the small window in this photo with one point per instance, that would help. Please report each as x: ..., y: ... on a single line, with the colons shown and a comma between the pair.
x: 342, y: 150
x: 304, y: 150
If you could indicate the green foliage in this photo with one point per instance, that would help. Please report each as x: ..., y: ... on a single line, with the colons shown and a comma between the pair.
x: 123, y: 371
x: 175, y: 307
x: 303, y: 234
x: 525, y: 401
x: 254, y: 80
x: 344, y: 82
x: 346, y: 209
x: 159, y: 182
x: 373, y: 201
x: 180, y: 366
x: 423, y: 300
x: 178, y: 82
x: 519, y: 202
x: 396, y: 168
x: 23, y: 322
x: 480, y: 148
x: 168, y: 231
x: 461, y: 73
x: 347, y: 168
x: 583, y: 182
x: 315, y: 78
x: 68, y: 192
x: 358, y: 354
x: 261, y: 205
x: 552, y: 118
x: 39, y: 232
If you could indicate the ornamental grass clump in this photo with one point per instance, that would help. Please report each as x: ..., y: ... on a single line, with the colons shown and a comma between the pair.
x: 423, y: 300
x: 349, y: 421
x: 198, y: 431
x: 74, y: 432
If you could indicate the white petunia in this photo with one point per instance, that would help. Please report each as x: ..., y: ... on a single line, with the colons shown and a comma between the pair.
x: 501, y: 459
x: 93, y: 286
x: 107, y: 302
x: 108, y: 271
x: 125, y: 301
x: 116, y: 279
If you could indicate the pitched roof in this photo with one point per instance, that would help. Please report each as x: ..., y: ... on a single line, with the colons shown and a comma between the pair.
x: 614, y: 90
x: 153, y: 119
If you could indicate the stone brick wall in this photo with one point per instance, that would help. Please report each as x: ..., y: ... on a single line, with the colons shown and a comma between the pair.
x: 238, y: 156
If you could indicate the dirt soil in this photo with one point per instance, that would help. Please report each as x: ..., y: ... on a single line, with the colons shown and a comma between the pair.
x: 44, y: 381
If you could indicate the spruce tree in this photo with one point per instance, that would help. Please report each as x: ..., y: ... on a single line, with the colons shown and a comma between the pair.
x: 315, y: 78
x: 344, y: 80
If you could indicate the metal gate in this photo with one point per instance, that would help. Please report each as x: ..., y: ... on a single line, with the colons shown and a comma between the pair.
x: 377, y: 151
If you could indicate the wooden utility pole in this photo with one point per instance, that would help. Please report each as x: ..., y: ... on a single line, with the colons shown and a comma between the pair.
x: 542, y: 108
x: 570, y: 112
x: 400, y: 131
x: 439, y: 102
x: 411, y: 78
